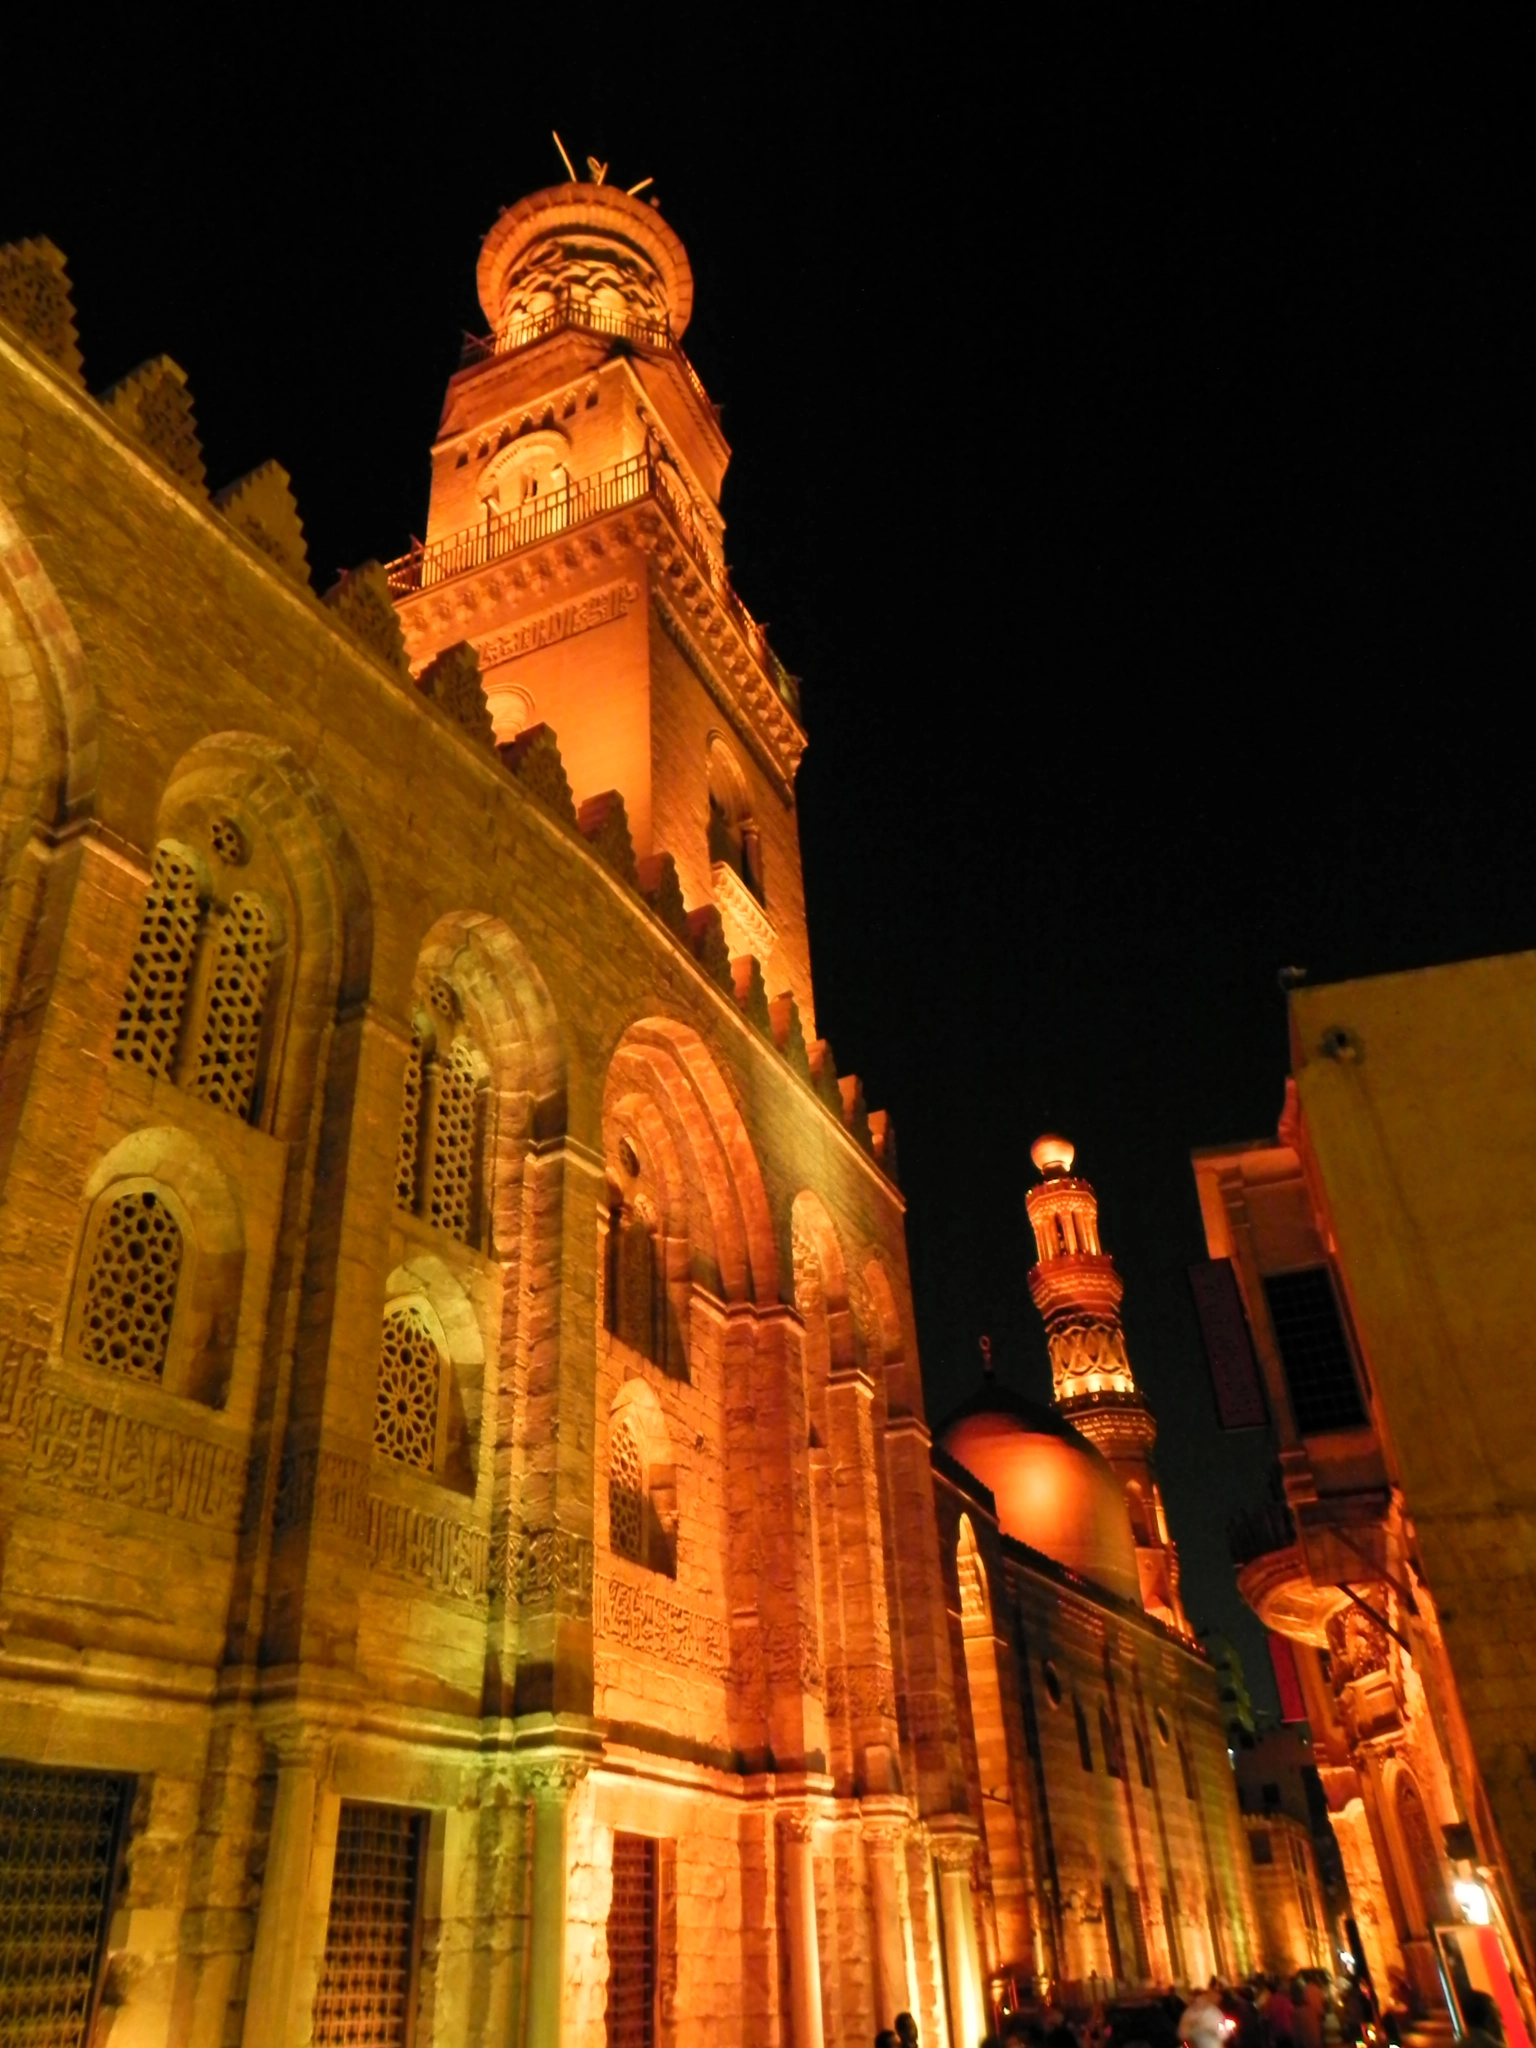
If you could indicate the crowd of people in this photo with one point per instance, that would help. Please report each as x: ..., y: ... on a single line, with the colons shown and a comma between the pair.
x: 1309, y: 2010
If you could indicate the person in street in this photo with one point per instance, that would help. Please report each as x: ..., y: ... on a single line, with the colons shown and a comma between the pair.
x: 1485, y: 2028
x: 886, y: 2039
x: 1280, y: 2015
x: 1203, y: 2024
x: 906, y: 2030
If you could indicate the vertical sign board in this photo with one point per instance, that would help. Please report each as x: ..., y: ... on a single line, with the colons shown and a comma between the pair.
x: 1282, y: 1657
x: 1472, y: 1959
x: 1235, y: 1380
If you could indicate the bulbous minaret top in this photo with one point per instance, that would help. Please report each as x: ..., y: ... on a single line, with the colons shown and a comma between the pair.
x: 1075, y: 1287
x: 594, y: 245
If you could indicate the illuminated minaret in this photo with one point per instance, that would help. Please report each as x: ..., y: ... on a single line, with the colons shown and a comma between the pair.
x: 1077, y: 1291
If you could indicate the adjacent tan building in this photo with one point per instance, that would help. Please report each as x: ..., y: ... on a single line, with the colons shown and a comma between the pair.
x: 1381, y: 1248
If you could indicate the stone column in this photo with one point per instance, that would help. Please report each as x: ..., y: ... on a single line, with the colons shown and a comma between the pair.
x: 884, y: 1844
x: 954, y: 1854
x: 551, y: 1783
x: 295, y: 1894
x: 800, y: 1911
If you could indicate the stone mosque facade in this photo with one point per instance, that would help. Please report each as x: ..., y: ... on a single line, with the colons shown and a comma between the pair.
x: 474, y: 1567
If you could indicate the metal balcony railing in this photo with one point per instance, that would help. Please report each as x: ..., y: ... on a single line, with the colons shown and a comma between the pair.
x: 569, y: 311
x: 539, y: 519
x: 1259, y: 1532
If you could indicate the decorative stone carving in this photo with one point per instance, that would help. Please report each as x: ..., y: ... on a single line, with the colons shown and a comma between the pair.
x: 361, y: 601
x: 748, y: 927
x: 35, y: 299
x: 438, y: 1551
x: 545, y: 1568
x: 21, y: 1370
x: 824, y: 1076
x: 646, y: 1619
x: 153, y: 404
x: 1080, y: 1349
x: 534, y: 758
x: 322, y: 1486
x: 851, y: 1091
x: 81, y: 1448
x: 261, y: 506
x: 603, y: 821
x: 452, y: 683
x: 552, y: 1777
x: 882, y: 1138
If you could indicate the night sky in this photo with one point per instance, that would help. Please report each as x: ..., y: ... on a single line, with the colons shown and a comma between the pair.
x: 1133, y: 451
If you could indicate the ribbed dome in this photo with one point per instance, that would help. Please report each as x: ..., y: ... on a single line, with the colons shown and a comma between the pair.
x: 1053, y: 1489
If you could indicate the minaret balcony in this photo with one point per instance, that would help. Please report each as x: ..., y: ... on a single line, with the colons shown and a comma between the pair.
x: 573, y: 314
x: 501, y: 535
x: 1077, y: 1284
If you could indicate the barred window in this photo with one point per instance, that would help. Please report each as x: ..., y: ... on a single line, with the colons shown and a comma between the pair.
x: 130, y: 1289
x: 149, y: 1024
x: 451, y: 1170
x: 410, y: 1378
x: 1114, y: 1760
x: 1319, y: 1372
x: 1186, y: 1767
x: 229, y: 1050
x: 1084, y: 1746
x: 626, y: 1493
x: 410, y: 1123
x: 367, y: 1989
x: 632, y: 1943
x: 59, y: 1833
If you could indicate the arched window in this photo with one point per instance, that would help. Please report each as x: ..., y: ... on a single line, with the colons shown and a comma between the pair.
x: 410, y: 1388
x: 626, y: 1492
x: 130, y: 1287
x: 438, y: 1150
x: 1114, y: 1762
x: 1084, y: 1746
x: 227, y: 1064
x: 734, y: 840
x: 149, y: 1024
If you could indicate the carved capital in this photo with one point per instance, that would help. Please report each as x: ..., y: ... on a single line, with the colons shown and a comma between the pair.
x: 952, y: 1841
x: 796, y: 1823
x: 552, y: 1778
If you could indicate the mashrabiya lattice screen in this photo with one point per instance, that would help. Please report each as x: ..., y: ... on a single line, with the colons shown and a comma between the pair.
x: 451, y: 1172
x: 626, y: 1492
x: 149, y: 1024
x: 130, y: 1290
x: 410, y: 1379
x: 229, y: 1047
x: 410, y: 1123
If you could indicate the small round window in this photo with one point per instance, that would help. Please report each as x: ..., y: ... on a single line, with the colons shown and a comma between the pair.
x: 1052, y: 1682
x: 1164, y: 1734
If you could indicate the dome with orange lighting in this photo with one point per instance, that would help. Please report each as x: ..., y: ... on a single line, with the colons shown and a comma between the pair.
x: 1053, y: 1490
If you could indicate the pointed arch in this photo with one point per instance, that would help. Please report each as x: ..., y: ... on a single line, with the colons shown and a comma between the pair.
x: 666, y: 1096
x: 989, y: 1729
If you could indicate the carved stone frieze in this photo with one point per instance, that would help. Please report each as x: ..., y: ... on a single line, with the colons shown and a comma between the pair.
x: 322, y: 1487
x: 21, y: 1371
x: 863, y: 1693
x: 646, y: 1619
x: 552, y: 1777
x: 438, y: 1551
x: 548, y: 1568
x: 82, y: 1448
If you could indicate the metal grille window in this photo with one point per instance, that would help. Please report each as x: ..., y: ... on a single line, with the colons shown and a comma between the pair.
x: 1319, y: 1372
x: 1175, y: 1946
x: 1112, y: 1933
x: 59, y: 1833
x: 1084, y: 1747
x: 367, y: 1992
x: 632, y: 1944
x: 451, y: 1171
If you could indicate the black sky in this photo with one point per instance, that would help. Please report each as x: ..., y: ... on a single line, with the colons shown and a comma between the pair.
x: 1133, y: 450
